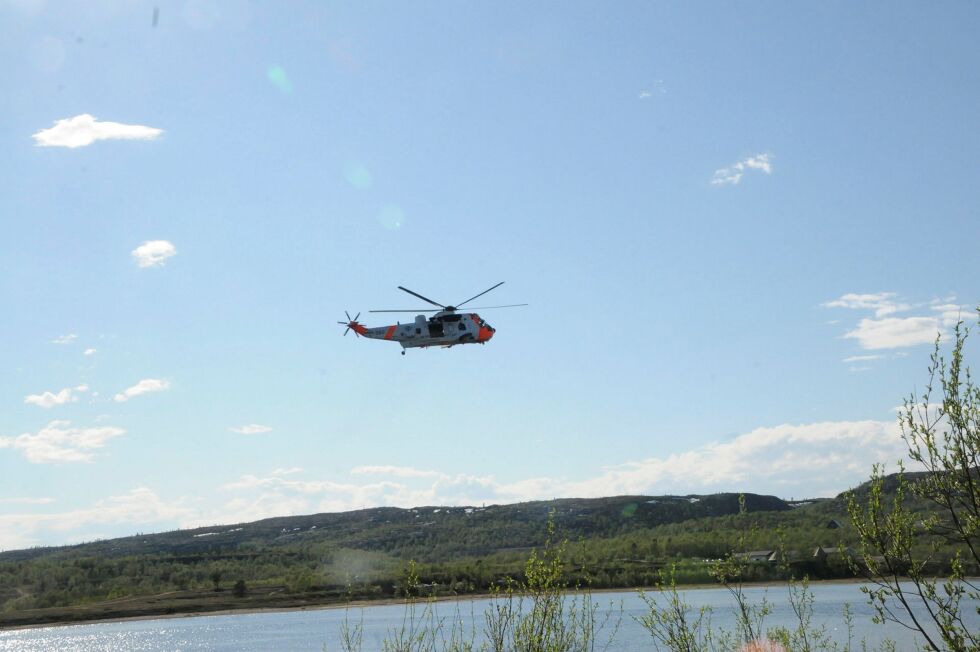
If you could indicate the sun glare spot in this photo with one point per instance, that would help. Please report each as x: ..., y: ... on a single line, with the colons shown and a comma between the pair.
x: 358, y: 176
x: 279, y: 79
x: 391, y: 217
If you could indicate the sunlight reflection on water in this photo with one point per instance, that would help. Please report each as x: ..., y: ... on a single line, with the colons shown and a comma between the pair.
x: 313, y: 629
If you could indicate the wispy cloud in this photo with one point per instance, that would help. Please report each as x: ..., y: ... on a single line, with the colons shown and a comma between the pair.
x: 48, y: 400
x: 91, y: 351
x: 251, y: 429
x: 65, y: 339
x: 85, y: 129
x: 862, y: 358
x: 26, y: 501
x: 136, y: 509
x: 394, y: 471
x: 733, y: 174
x: 59, y: 442
x: 153, y: 253
x: 886, y: 331
x: 652, y: 90
x: 883, y: 303
x: 144, y: 386
x: 818, y: 459
x: 805, y: 460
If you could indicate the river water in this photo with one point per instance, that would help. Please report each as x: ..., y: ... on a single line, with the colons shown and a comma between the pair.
x: 320, y: 629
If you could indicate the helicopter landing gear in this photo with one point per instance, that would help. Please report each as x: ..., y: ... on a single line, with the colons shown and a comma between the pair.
x: 403, y: 353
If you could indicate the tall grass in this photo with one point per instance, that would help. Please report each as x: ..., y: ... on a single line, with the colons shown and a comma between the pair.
x: 541, y: 612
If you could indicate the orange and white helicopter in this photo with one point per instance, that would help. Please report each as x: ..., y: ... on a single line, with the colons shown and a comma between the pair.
x: 445, y: 328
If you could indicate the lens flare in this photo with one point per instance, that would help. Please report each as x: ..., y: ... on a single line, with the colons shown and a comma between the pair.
x: 391, y: 217
x: 279, y: 79
x: 358, y: 176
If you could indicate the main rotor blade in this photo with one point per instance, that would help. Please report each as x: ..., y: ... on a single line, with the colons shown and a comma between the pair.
x: 512, y: 305
x: 416, y: 311
x: 481, y: 294
x: 416, y: 294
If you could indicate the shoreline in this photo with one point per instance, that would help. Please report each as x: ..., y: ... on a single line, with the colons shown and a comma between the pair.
x: 387, y: 602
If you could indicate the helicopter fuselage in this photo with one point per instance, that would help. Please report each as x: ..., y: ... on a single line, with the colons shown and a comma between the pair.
x: 442, y: 329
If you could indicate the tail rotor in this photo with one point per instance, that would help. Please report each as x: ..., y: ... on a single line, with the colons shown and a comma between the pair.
x: 350, y: 324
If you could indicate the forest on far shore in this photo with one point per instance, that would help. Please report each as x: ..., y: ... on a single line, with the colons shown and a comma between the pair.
x: 617, y: 542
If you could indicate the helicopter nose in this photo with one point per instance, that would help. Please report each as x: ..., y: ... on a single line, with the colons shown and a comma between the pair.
x: 486, y: 332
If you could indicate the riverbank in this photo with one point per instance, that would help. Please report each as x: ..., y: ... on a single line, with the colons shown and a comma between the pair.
x: 222, y: 603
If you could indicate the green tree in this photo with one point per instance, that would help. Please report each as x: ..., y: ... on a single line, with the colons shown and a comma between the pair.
x: 943, y: 438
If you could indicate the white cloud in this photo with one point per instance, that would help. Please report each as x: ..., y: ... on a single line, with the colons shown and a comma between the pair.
x: 819, y: 459
x: 65, y: 339
x: 655, y: 88
x: 26, y: 501
x: 895, y: 332
x: 806, y: 460
x: 59, y: 442
x: 142, y: 387
x: 733, y: 174
x: 883, y: 303
x: 951, y: 313
x: 50, y: 399
x: 84, y: 129
x: 153, y: 253
x: 395, y: 471
x: 91, y: 351
x: 135, y: 510
x: 251, y: 429
x: 862, y: 358
x: 889, y: 332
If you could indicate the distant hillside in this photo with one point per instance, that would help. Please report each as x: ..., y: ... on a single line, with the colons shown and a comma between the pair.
x: 327, y: 558
x: 622, y: 541
x: 430, y: 532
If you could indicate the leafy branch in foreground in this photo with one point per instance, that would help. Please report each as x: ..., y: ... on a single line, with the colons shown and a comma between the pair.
x: 943, y: 439
x: 543, y: 614
x: 672, y: 621
x: 730, y: 572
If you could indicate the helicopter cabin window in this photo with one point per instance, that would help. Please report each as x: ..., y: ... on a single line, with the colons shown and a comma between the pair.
x: 462, y: 326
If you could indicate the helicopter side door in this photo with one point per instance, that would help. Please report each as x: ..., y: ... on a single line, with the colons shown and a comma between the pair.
x: 436, y: 329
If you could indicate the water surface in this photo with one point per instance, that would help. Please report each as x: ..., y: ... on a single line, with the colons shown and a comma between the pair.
x: 320, y: 629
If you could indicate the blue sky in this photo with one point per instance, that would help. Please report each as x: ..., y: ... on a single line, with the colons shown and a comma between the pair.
x: 738, y: 227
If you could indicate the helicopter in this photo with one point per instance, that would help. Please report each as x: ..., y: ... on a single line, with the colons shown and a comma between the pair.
x: 446, y: 328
